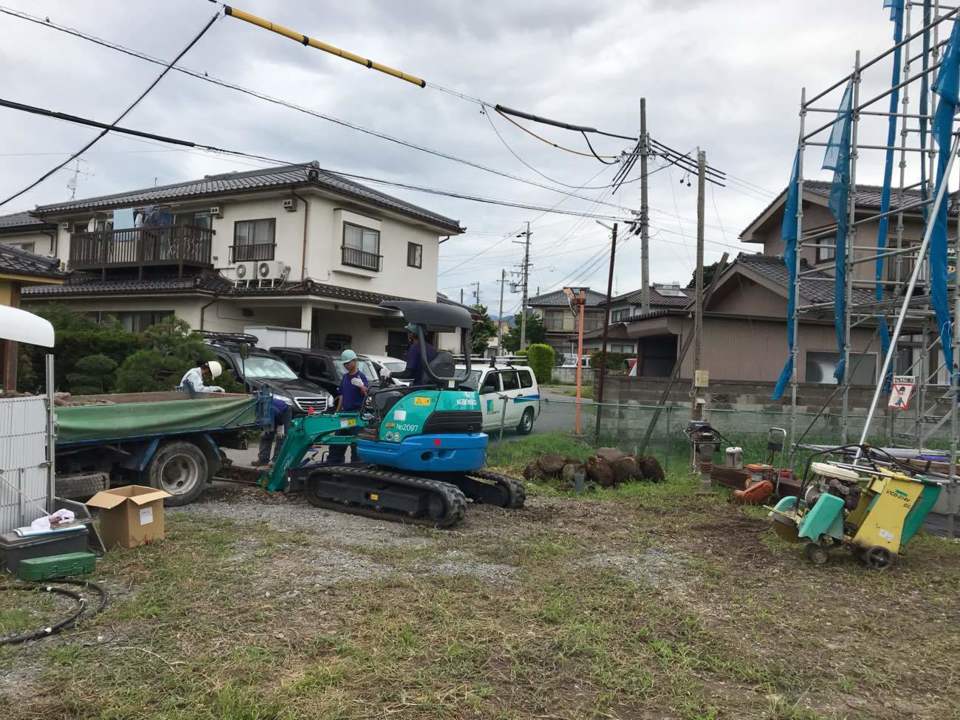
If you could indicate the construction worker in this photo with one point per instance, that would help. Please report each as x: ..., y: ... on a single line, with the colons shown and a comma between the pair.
x: 415, y: 370
x: 353, y: 391
x: 195, y: 379
x: 281, y: 415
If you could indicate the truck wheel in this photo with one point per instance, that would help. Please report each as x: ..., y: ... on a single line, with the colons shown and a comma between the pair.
x: 526, y: 422
x: 181, y: 469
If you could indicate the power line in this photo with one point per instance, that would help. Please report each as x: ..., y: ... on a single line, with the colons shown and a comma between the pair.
x: 122, y: 115
x: 283, y: 103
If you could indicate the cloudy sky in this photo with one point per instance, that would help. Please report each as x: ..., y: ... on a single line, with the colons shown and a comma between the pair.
x: 723, y: 75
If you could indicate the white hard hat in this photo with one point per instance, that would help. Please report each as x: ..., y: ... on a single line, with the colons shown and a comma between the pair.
x: 216, y: 369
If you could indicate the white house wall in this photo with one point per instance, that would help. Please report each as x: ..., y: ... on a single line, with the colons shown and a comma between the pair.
x: 42, y: 242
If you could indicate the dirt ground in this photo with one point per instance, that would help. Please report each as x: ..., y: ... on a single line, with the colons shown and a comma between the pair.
x: 652, y: 602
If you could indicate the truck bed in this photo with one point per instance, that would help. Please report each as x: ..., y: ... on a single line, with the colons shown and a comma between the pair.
x: 95, y: 419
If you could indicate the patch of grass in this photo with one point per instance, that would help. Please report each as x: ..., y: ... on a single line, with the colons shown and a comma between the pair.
x: 513, y: 456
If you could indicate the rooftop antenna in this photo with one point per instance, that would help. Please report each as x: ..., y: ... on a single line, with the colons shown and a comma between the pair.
x: 77, y: 172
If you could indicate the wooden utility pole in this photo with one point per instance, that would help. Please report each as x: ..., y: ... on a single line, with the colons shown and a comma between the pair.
x: 644, y: 212
x: 606, y: 330
x: 503, y: 281
x: 698, y: 381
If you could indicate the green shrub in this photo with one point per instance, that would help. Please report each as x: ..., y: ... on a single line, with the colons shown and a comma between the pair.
x: 540, y: 357
x: 618, y: 361
x: 93, y: 375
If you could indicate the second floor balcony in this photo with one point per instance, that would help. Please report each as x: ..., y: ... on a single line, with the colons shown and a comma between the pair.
x: 175, y: 246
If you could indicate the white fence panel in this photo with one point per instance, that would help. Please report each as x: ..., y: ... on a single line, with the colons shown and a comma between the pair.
x: 23, y: 461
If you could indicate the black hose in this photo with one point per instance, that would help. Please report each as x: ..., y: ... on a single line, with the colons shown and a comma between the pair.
x: 70, y: 620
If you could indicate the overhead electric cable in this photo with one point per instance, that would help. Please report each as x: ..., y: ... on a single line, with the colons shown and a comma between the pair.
x: 120, y: 117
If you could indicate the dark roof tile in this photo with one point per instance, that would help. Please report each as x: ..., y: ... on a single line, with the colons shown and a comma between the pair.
x: 14, y: 261
x: 24, y: 220
x: 813, y: 288
x: 558, y: 298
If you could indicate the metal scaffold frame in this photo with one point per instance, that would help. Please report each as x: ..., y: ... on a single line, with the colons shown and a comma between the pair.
x: 901, y: 293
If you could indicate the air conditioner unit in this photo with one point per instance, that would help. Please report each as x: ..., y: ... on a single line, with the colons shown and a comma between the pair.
x: 272, y: 270
x: 216, y: 211
x: 240, y: 271
x: 290, y: 204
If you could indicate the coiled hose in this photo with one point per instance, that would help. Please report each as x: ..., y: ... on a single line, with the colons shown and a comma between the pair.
x: 79, y: 610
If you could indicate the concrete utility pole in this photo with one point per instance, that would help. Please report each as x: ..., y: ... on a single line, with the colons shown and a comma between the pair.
x: 461, y: 296
x: 644, y: 212
x: 503, y: 281
x: 698, y: 382
x: 525, y: 270
x: 606, y: 329
x: 476, y: 292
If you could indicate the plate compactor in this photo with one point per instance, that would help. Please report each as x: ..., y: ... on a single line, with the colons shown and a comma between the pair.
x: 872, y: 510
x: 421, y: 452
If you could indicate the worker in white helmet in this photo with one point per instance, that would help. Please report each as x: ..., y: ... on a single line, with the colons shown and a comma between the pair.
x: 195, y: 380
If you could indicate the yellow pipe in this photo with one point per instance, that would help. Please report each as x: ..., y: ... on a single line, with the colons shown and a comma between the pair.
x: 320, y: 45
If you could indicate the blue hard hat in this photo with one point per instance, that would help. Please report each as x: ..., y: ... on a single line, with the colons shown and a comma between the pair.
x: 347, y: 356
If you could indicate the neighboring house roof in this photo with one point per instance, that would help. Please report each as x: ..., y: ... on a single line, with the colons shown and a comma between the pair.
x: 300, y: 175
x: 23, y: 221
x: 773, y: 270
x: 14, y: 261
x: 657, y: 298
x: 558, y: 298
x: 867, y: 198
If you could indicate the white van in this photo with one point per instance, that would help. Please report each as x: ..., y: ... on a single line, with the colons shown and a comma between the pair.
x: 508, y: 394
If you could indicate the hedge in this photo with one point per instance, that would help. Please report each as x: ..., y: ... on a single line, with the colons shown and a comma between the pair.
x: 540, y: 357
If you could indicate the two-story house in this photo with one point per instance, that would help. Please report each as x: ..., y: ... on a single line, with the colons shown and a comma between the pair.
x: 291, y: 246
x: 559, y: 322
x: 744, y: 331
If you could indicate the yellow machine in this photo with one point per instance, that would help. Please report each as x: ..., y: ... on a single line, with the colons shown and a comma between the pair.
x: 874, y: 511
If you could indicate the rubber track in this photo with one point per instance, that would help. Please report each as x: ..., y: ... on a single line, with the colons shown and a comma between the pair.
x: 454, y: 500
x: 515, y: 490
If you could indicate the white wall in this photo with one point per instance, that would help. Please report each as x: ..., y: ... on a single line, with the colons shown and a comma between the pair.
x: 42, y: 242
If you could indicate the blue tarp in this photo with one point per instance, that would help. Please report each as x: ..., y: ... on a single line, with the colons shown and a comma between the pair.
x: 788, y: 232
x: 948, y: 88
x: 837, y: 158
x: 896, y: 15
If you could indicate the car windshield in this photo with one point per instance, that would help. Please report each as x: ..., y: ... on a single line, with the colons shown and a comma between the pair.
x: 473, y: 381
x: 363, y: 366
x: 395, y: 366
x: 264, y: 366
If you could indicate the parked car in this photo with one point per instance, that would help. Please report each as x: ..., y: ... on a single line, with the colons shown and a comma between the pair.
x: 508, y: 394
x: 394, y: 365
x: 323, y: 367
x: 258, y: 369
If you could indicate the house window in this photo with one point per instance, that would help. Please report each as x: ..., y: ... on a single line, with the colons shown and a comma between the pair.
x: 253, y: 240
x: 825, y: 254
x: 820, y: 367
x: 553, y: 319
x: 26, y: 246
x: 592, y: 321
x: 414, y: 255
x: 361, y: 247
x: 137, y: 321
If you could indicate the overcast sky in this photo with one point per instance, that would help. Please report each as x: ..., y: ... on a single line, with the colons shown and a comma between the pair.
x: 724, y: 75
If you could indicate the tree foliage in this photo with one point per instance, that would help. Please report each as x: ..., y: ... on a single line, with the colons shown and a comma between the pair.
x: 483, y: 329
x: 541, y: 357
x: 92, y: 375
x: 536, y: 332
x: 617, y: 361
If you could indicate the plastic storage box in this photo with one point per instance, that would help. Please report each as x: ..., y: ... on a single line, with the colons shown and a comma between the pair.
x: 57, y: 566
x: 15, y: 549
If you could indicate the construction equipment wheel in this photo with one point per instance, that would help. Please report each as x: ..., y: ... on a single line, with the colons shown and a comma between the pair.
x: 181, y: 469
x: 877, y: 558
x: 817, y: 554
x: 526, y: 422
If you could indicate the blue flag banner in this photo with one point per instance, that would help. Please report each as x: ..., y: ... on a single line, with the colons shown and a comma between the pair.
x: 948, y: 88
x: 788, y: 232
x: 896, y: 15
x: 837, y: 158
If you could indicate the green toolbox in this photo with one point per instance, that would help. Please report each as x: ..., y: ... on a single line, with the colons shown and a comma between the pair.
x: 54, y: 566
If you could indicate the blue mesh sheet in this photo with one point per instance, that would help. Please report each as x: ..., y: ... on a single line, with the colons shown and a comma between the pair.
x: 788, y: 232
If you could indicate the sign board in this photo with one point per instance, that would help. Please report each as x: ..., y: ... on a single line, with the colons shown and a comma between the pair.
x: 701, y: 378
x: 901, y: 392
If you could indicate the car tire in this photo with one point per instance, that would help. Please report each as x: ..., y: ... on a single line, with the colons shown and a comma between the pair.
x: 526, y: 422
x: 181, y: 469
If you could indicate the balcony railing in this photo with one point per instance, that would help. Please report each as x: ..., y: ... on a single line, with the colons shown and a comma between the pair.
x: 246, y: 253
x: 174, y: 245
x: 354, y: 257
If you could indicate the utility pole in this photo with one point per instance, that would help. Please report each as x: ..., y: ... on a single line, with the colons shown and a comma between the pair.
x: 525, y: 270
x: 476, y: 292
x: 461, y: 296
x: 606, y: 329
x: 577, y: 298
x: 644, y: 212
x: 698, y: 380
x: 503, y: 281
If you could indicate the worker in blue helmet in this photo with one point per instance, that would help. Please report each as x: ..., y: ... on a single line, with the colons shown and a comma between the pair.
x: 416, y: 370
x: 354, y: 387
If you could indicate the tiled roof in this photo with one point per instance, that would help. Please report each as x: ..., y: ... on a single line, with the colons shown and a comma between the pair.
x: 81, y: 285
x: 24, y: 220
x: 657, y: 299
x: 302, y: 175
x: 868, y: 196
x: 813, y: 289
x: 14, y: 261
x: 558, y: 298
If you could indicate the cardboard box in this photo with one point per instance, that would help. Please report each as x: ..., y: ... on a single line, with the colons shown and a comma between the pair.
x: 131, y: 515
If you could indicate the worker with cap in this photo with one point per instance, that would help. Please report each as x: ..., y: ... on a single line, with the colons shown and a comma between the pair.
x: 416, y: 370
x: 195, y: 379
x: 353, y: 391
x: 271, y: 439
